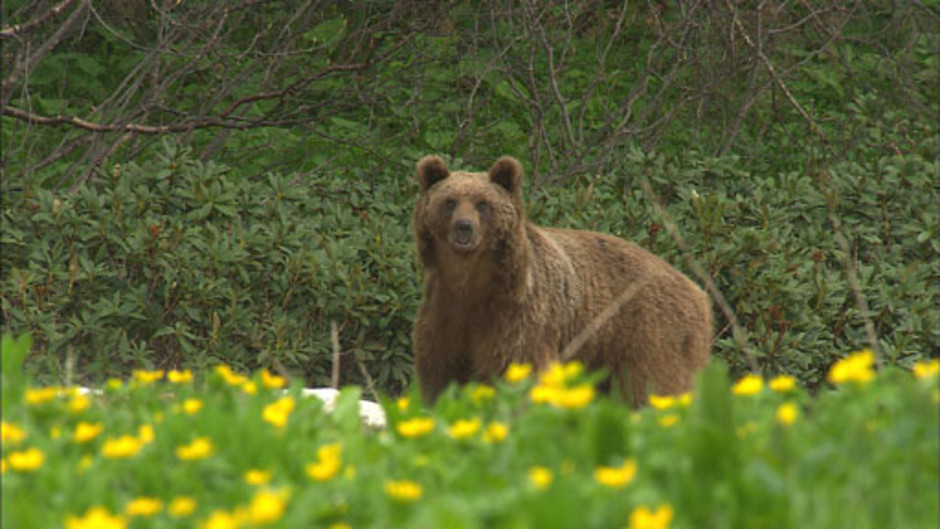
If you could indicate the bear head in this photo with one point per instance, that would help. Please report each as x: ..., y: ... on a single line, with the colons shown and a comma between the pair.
x: 468, y: 213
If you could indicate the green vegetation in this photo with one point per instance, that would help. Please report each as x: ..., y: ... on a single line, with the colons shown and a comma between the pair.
x: 214, y: 183
x: 234, y: 451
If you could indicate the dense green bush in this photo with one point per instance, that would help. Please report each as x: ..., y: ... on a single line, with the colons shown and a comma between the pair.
x: 178, y: 262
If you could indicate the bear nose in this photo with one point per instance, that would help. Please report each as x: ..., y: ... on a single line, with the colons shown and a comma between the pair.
x: 463, y: 231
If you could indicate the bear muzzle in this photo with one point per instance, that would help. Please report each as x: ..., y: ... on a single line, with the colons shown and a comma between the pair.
x: 462, y: 235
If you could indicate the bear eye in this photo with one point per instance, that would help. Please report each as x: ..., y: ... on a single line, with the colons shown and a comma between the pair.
x: 451, y: 204
x: 482, y: 206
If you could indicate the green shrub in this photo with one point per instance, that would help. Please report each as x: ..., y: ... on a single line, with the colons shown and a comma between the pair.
x: 183, y: 263
x: 748, y: 455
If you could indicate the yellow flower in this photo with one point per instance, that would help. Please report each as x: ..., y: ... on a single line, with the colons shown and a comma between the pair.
x: 328, y: 464
x: 179, y: 377
x: 143, y: 506
x: 200, y: 448
x: 616, y: 477
x: 85, y: 431
x: 516, y: 373
x: 643, y: 518
x: 927, y: 369
x: 272, y: 381
x: 782, y: 383
x: 249, y: 388
x: 230, y: 377
x: 402, y: 404
x: 181, y: 506
x: 122, y: 447
x: 3, y: 466
x: 685, y: 399
x: 404, y: 491
x: 482, y: 393
x: 749, y: 385
x: 787, y: 414
x: 575, y: 398
x: 857, y: 367
x: 541, y: 477
x: 192, y: 406
x: 27, y: 460
x: 79, y: 403
x: 95, y: 518
x: 668, y: 420
x: 257, y: 477
x: 146, y: 377
x: 495, y: 432
x: 542, y: 394
x: 277, y: 412
x: 559, y: 374
x: 36, y: 396
x: 114, y: 384
x: 220, y: 519
x: 417, y: 427
x: 464, y: 428
x: 662, y: 402
x: 339, y: 525
x: 11, y: 433
x: 561, y: 397
x: 267, y: 506
x: 145, y: 433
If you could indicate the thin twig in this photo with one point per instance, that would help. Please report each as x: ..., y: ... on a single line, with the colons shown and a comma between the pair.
x: 334, y: 337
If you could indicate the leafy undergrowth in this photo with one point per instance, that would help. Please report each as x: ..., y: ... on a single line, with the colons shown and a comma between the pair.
x: 220, y: 449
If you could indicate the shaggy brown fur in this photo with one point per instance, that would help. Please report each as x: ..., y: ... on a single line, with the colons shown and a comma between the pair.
x: 498, y: 289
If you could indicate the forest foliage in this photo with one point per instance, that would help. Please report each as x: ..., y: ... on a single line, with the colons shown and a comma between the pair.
x: 187, y: 183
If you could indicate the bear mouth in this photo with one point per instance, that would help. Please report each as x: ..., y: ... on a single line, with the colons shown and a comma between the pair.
x: 462, y: 243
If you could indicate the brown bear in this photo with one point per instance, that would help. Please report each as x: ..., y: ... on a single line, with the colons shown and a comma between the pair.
x: 498, y: 289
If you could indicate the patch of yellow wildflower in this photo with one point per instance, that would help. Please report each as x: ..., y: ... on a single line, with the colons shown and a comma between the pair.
x: 181, y: 507
x: 541, y: 477
x: 272, y: 381
x: 27, y: 460
x: 403, y: 491
x: 782, y: 383
x: 786, y: 414
x: 495, y: 432
x: 267, y: 506
x: 257, y: 477
x: 122, y: 447
x: 644, y: 518
x: 85, y: 431
x: 857, y: 368
x: 11, y: 433
x: 464, y: 428
x: 179, y: 377
x: 199, y: 448
x: 278, y: 411
x: 143, y: 506
x: 482, y: 394
x: 749, y: 385
x: 928, y: 369
x: 516, y: 373
x: 328, y: 464
x: 417, y: 427
x: 616, y: 477
x: 95, y: 518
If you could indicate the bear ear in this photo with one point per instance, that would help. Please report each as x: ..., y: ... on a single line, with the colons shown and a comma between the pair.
x: 507, y: 172
x: 431, y: 170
